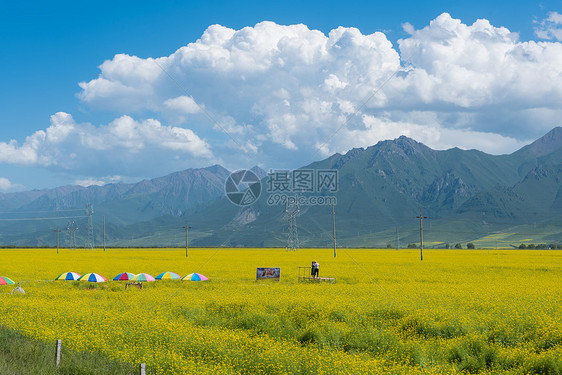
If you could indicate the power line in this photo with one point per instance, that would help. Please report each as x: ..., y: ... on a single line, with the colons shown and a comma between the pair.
x: 44, y: 218
x: 37, y: 212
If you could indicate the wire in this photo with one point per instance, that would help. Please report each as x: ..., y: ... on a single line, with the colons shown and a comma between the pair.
x: 36, y: 212
x: 44, y: 218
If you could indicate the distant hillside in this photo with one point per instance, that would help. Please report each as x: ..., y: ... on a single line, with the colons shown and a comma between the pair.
x: 121, y: 204
x: 468, y: 196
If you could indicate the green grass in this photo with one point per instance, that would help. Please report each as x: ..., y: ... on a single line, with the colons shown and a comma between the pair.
x: 21, y: 355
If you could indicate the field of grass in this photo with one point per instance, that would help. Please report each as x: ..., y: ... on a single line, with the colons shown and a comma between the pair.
x: 457, y: 311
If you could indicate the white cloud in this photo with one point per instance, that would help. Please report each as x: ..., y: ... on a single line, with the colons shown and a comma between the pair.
x: 5, y: 184
x: 551, y: 27
x: 96, y: 181
x: 408, y: 27
x: 123, y: 145
x: 429, y: 132
x: 270, y: 76
x: 182, y: 104
x: 480, y: 69
x: 90, y: 182
x: 287, y: 95
x: 297, y: 86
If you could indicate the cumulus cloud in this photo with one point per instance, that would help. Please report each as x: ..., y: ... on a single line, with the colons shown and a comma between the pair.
x: 551, y: 27
x: 182, y: 104
x: 288, y: 89
x: 5, y: 184
x: 122, y: 145
x: 97, y: 182
x: 283, y: 96
x: 89, y: 182
x: 281, y: 84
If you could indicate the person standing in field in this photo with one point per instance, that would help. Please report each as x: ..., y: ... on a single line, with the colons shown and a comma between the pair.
x: 314, y: 268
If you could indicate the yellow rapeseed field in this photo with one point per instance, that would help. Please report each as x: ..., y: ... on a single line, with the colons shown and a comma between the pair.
x: 479, y: 311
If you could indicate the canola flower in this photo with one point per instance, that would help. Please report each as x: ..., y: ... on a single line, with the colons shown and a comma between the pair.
x: 483, y: 312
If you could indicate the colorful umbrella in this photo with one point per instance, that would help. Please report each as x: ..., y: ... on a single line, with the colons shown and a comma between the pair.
x: 6, y: 281
x: 68, y: 276
x: 93, y: 278
x: 124, y: 276
x: 168, y: 276
x: 142, y: 277
x: 194, y: 277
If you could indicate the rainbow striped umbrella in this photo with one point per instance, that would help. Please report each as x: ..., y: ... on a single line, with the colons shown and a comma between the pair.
x: 93, y: 278
x: 143, y: 277
x: 194, y: 277
x: 6, y: 281
x: 68, y: 276
x: 168, y: 276
x: 124, y: 276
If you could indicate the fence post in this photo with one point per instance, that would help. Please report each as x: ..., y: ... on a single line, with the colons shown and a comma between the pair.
x: 142, y: 368
x: 57, y: 353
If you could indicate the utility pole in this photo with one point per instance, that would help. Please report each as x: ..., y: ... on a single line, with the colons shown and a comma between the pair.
x: 186, y: 228
x: 58, y: 231
x: 421, y: 217
x: 334, y: 227
x: 104, y: 233
x: 397, y: 240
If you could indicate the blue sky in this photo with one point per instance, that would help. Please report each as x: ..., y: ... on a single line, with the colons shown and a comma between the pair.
x: 282, y: 114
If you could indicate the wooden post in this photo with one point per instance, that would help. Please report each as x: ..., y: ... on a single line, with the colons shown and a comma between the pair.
x: 57, y: 353
x: 334, y: 227
x: 186, y: 239
x: 58, y: 231
x: 142, y: 369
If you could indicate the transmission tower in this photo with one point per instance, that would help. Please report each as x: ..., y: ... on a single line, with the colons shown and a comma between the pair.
x: 70, y: 234
x: 292, y: 235
x: 89, y: 211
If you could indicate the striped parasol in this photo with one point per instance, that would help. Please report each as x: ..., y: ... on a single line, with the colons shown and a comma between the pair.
x: 143, y: 277
x: 6, y: 281
x: 124, y: 276
x: 68, y: 276
x: 168, y: 276
x: 194, y: 277
x: 93, y: 278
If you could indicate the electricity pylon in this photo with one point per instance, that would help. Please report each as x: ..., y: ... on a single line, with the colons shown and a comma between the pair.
x: 293, y: 234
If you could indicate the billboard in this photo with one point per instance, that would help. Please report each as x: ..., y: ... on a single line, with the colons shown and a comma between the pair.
x: 271, y: 273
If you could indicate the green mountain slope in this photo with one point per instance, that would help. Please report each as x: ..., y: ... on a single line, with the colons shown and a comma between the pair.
x: 468, y: 196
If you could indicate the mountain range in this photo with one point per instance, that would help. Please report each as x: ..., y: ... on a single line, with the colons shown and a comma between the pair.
x: 466, y: 195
